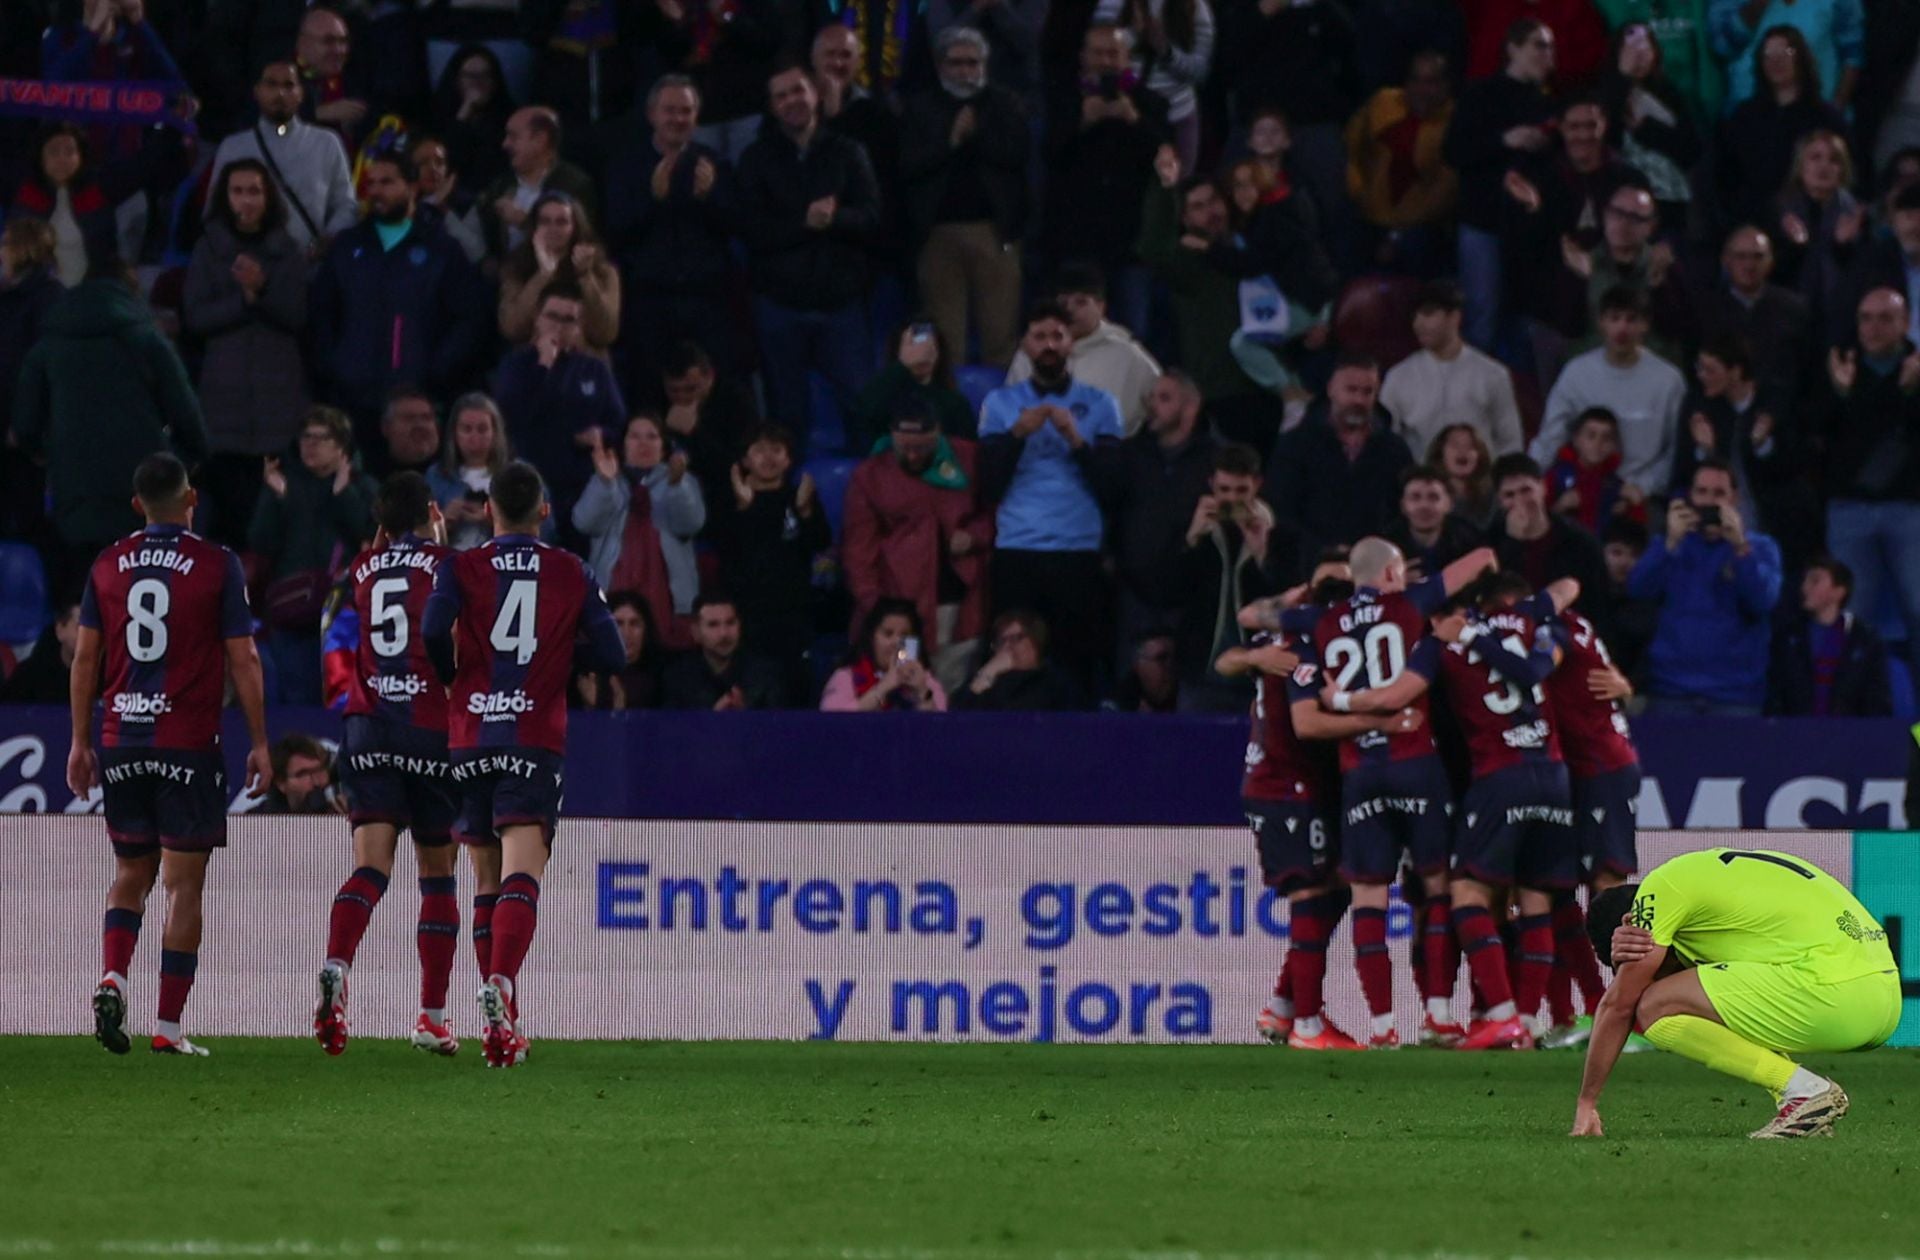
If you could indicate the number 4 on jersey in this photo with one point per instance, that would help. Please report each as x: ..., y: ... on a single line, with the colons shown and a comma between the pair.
x: 513, y: 627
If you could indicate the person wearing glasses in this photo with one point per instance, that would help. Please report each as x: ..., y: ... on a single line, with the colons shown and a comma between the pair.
x: 1628, y: 256
x: 1018, y: 676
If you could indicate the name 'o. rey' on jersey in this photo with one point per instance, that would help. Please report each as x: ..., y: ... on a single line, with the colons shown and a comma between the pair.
x: 393, y: 677
x: 1365, y: 642
x: 1593, y: 731
x: 1504, y: 721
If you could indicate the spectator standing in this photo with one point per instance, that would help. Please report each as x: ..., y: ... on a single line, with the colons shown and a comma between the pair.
x: 80, y: 205
x: 1100, y: 166
x: 1642, y: 389
x: 1580, y: 37
x: 101, y: 390
x: 727, y: 49
x: 1630, y: 622
x: 314, y: 517
x: 1018, y: 677
x: 768, y: 539
x: 1831, y: 36
x: 637, y: 684
x: 963, y: 162
x: 1872, y: 439
x: 1541, y: 545
x: 639, y: 515
x: 395, y: 302
x: 562, y: 248
x: 1501, y: 128
x: 307, y: 162
x: 1428, y: 532
x: 476, y: 450
x: 885, y: 668
x: 709, y: 416
x: 1627, y: 257
x: 1893, y: 263
x: 720, y: 676
x: 471, y: 106
x: 1657, y: 124
x: 1728, y: 418
x: 1463, y: 457
x: 1012, y: 30
x: 439, y: 193
x: 670, y: 203
x: 1160, y: 475
x: 1772, y: 321
x: 1819, y: 225
x: 1227, y: 563
x: 1686, y: 57
x: 1757, y: 139
x: 28, y: 290
x: 1716, y: 585
x: 1397, y: 175
x: 918, y: 378
x: 1827, y: 662
x: 1447, y: 381
x: 914, y: 530
x: 1336, y: 476
x: 1172, y: 50
x: 809, y: 207
x: 246, y: 299
x: 560, y: 402
x: 849, y: 107
x: 1040, y: 440
x: 534, y: 167
x: 333, y: 83
x: 1104, y: 354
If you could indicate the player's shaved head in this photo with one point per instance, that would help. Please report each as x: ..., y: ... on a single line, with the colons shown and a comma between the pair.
x: 160, y: 485
x: 1372, y: 560
x: 404, y: 504
x: 517, y: 497
x: 1605, y: 912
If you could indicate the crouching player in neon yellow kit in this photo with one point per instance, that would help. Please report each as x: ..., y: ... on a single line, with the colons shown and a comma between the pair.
x: 1735, y: 958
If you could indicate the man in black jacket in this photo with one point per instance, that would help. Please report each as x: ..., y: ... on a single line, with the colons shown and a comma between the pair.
x: 1774, y: 322
x: 1872, y: 433
x: 1541, y: 545
x: 809, y: 209
x: 1228, y: 562
x: 963, y: 155
x: 720, y: 677
x: 1890, y: 264
x: 670, y: 206
x: 1827, y: 662
x: 1336, y: 477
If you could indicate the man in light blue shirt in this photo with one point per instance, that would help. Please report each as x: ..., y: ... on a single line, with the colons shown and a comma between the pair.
x: 1044, y: 444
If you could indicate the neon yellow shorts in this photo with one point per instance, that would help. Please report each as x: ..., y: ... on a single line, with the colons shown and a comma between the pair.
x: 1788, y: 1009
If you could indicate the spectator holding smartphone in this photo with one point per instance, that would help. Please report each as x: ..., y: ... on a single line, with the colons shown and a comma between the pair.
x: 476, y: 450
x: 884, y: 669
x: 920, y: 376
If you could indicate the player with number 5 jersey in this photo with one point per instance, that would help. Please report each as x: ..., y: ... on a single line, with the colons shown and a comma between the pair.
x: 500, y: 627
x: 394, y: 763
x: 1394, y: 792
x: 165, y: 613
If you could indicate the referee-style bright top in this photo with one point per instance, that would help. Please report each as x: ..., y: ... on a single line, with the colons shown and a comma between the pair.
x: 1755, y: 905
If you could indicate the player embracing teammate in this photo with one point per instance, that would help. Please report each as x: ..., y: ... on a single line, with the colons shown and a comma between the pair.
x: 500, y: 628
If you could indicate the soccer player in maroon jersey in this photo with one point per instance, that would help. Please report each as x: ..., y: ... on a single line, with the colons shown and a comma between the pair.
x: 1288, y: 795
x: 166, y: 612
x: 1583, y: 696
x: 515, y: 606
x: 1517, y: 825
x: 1394, y: 791
x: 394, y: 762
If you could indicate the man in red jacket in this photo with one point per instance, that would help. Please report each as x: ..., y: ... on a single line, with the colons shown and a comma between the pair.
x: 913, y: 530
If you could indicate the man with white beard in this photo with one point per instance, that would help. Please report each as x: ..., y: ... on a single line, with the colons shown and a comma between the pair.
x: 963, y: 158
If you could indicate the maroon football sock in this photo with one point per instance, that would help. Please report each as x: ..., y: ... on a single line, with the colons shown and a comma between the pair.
x: 1574, y: 948
x: 437, y: 937
x: 1371, y: 960
x: 1441, y: 948
x: 352, y: 908
x: 483, y: 904
x: 1486, y: 954
x: 176, y: 981
x: 515, y: 916
x: 118, y: 935
x: 1536, y: 961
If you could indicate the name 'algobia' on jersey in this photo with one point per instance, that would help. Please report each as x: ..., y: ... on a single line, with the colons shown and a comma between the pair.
x: 393, y: 677
x: 512, y: 608
x: 1365, y: 643
x: 165, y: 601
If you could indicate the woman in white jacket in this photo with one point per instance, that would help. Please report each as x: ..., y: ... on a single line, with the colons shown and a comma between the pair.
x: 640, y: 513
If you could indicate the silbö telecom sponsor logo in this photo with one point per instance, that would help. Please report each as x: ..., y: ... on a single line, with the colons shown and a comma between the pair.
x: 136, y: 706
x: 499, y: 706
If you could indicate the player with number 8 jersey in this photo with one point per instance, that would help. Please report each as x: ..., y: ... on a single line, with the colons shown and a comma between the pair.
x: 500, y: 626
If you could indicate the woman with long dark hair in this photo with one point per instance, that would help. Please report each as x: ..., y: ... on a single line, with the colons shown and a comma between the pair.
x: 471, y: 106
x: 246, y: 298
x: 1462, y: 455
x: 1757, y: 139
x: 1652, y: 122
x: 561, y: 247
x: 883, y: 669
x: 62, y: 188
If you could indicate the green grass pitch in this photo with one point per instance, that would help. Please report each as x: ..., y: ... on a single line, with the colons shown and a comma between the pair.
x: 917, y: 1152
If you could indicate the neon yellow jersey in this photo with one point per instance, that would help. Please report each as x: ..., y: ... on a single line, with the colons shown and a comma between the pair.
x: 1755, y: 905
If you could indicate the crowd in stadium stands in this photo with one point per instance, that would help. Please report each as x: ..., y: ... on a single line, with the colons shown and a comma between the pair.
x: 988, y: 354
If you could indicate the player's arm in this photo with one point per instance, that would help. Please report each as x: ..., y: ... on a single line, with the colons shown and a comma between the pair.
x: 1564, y: 593
x: 1612, y: 1022
x: 250, y: 689
x: 1467, y: 568
x: 1310, y: 721
x: 83, y: 772
x: 1267, y: 658
x: 436, y: 624
x: 1529, y: 670
x: 1414, y: 681
x: 609, y: 654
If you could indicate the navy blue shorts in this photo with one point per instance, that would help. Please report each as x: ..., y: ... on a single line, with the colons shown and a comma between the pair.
x: 1516, y: 828
x: 507, y: 787
x: 164, y: 798
x: 398, y: 775
x: 1605, y: 816
x: 1390, y: 807
x: 1296, y: 841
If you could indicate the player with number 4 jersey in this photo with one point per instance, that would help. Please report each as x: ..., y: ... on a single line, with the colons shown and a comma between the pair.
x: 1395, y: 795
x: 500, y: 627
x: 394, y: 763
x: 165, y: 613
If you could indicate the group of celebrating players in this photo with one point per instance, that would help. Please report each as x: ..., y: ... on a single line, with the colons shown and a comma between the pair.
x: 456, y: 728
x: 1355, y: 659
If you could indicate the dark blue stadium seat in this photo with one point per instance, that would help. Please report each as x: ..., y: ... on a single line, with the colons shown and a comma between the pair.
x: 831, y: 473
x: 977, y: 380
x: 23, y: 593
x: 829, y: 431
x: 1900, y: 683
